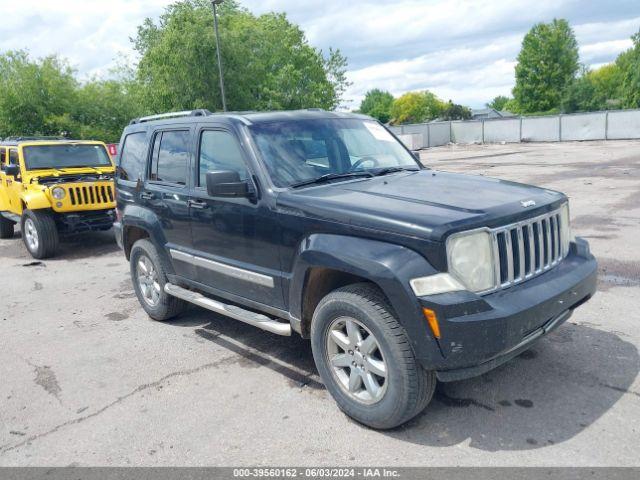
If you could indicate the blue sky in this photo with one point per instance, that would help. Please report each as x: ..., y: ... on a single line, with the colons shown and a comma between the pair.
x: 459, y: 49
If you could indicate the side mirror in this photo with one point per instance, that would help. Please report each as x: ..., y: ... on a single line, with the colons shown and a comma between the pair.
x: 226, y: 183
x: 12, y: 170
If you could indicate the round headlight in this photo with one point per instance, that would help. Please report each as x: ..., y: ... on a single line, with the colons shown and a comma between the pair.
x: 471, y: 260
x: 58, y: 193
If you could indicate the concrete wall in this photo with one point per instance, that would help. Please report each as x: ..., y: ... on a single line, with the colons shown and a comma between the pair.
x: 540, y: 129
x: 621, y: 124
x: 439, y: 134
x: 624, y: 124
x: 420, y: 129
x: 587, y: 126
x: 502, y: 130
x: 413, y: 141
x: 466, y: 132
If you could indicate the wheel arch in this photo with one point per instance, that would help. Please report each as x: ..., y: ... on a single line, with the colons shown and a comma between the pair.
x: 139, y: 223
x: 326, y: 262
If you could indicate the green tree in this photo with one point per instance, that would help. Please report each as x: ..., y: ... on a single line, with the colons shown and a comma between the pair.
x: 547, y: 66
x: 594, y: 90
x: 377, y: 103
x: 498, y: 103
x: 103, y: 109
x: 629, y: 64
x: 416, y: 107
x: 268, y: 62
x: 36, y: 95
x: 453, y: 111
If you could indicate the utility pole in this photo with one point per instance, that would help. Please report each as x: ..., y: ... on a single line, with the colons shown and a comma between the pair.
x: 215, y: 24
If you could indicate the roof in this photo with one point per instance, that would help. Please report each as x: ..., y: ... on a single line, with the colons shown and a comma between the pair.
x: 491, y: 113
x: 248, y: 118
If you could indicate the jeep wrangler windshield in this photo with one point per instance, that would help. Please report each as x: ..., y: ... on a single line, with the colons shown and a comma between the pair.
x: 298, y: 152
x: 40, y: 157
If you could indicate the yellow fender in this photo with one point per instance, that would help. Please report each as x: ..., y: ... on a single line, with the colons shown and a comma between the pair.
x: 36, y: 200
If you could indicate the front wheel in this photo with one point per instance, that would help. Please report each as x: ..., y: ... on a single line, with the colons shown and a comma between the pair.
x: 39, y: 233
x: 149, y: 278
x: 365, y: 359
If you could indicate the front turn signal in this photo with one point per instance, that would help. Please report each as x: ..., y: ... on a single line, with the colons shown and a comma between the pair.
x: 432, y: 320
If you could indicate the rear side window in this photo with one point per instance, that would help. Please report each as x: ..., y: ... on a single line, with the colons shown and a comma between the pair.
x: 219, y: 151
x: 13, y: 157
x: 132, y: 159
x: 170, y: 157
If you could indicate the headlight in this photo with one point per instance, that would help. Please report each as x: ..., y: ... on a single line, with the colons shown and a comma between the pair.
x: 565, y: 228
x: 58, y: 193
x: 471, y: 261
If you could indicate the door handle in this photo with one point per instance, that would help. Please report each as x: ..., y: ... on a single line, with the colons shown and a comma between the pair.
x: 200, y: 204
x: 147, y: 195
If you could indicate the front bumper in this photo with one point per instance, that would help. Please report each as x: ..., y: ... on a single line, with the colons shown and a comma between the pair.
x: 479, y: 333
x: 87, y: 221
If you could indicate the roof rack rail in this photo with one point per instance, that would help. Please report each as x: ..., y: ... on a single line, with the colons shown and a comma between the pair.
x: 202, y: 112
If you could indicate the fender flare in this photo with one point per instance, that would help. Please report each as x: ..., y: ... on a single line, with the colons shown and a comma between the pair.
x: 145, y: 219
x: 35, y: 200
x: 389, y: 266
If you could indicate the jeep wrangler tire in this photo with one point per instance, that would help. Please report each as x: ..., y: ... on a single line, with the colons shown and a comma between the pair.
x: 39, y: 233
x: 6, y: 227
x: 149, y: 278
x: 365, y: 359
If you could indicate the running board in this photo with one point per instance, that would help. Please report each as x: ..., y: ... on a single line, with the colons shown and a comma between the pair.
x: 237, y: 313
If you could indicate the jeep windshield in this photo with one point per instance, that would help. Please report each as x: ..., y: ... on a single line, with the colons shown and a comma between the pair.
x: 306, y: 152
x: 38, y: 157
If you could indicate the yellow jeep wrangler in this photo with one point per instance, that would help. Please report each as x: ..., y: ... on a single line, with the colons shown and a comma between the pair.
x: 54, y: 187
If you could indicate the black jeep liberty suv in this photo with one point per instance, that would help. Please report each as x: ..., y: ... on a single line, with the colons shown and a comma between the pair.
x: 324, y: 224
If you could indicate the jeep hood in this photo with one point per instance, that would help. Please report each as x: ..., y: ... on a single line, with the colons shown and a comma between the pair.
x: 426, y: 203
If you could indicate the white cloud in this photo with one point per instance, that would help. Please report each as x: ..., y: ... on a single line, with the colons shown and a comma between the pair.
x: 91, y: 34
x: 462, y: 50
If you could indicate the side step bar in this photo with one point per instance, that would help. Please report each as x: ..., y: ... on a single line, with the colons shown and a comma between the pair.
x: 237, y: 313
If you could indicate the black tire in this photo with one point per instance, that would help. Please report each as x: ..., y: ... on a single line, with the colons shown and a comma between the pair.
x: 167, y: 306
x: 45, y: 230
x: 6, y: 227
x: 410, y: 387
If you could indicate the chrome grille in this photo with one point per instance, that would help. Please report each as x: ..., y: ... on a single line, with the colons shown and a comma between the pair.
x: 90, y: 194
x: 526, y: 249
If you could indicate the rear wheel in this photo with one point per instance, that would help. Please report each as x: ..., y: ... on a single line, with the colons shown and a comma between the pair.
x: 365, y: 359
x: 149, y: 278
x: 6, y: 228
x: 39, y: 233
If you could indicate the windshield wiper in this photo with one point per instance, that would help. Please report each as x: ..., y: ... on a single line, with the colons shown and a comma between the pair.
x: 387, y: 170
x: 331, y: 176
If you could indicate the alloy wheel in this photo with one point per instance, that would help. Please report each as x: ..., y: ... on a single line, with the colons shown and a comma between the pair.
x: 356, y: 360
x: 148, y: 281
x: 31, y: 235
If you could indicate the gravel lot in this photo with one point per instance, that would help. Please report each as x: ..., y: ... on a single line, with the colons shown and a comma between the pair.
x: 87, y: 379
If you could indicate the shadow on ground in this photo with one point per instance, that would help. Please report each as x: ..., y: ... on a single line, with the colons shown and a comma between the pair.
x: 73, y: 247
x: 547, y: 395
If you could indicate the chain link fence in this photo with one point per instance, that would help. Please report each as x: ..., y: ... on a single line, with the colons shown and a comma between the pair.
x: 609, y: 125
